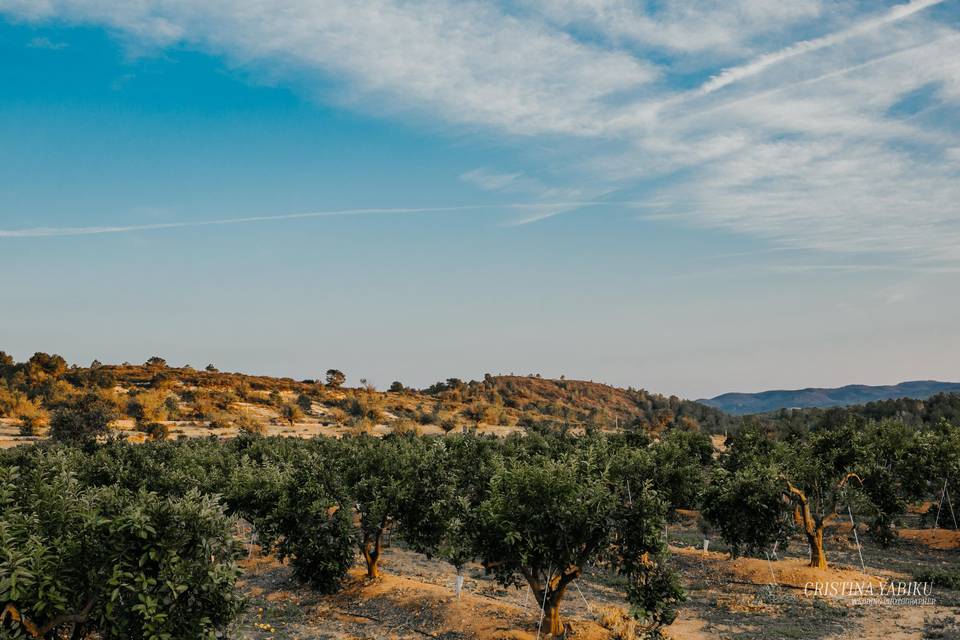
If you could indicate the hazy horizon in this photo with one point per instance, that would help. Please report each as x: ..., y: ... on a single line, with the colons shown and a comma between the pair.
x: 693, y: 199
x: 353, y: 379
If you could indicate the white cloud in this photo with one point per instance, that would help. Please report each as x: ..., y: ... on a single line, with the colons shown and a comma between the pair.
x: 706, y: 26
x: 467, y: 61
x: 46, y: 43
x: 812, y: 144
x: 490, y: 180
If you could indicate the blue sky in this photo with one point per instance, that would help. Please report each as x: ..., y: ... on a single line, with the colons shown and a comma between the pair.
x: 690, y: 197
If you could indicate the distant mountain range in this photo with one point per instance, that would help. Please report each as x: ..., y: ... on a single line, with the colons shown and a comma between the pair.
x: 746, y: 403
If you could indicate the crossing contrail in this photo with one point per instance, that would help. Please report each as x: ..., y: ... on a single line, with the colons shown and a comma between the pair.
x: 52, y: 232
x: 735, y: 74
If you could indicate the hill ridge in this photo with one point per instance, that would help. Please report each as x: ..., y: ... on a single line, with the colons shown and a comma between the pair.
x: 742, y: 403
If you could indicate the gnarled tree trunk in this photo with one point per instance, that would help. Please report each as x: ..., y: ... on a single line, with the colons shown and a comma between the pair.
x: 812, y: 527
x: 548, y: 596
x: 371, y: 554
x: 552, y: 624
x: 817, y: 557
x: 10, y: 610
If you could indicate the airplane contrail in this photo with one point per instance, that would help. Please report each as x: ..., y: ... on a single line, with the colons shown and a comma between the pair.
x: 52, y: 232
x: 735, y: 74
x: 825, y: 76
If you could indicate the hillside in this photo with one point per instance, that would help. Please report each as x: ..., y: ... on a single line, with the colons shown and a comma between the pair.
x: 581, y: 402
x: 853, y: 394
x: 155, y: 400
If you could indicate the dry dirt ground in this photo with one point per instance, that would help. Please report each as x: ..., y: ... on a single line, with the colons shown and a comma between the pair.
x: 10, y: 431
x: 744, y: 599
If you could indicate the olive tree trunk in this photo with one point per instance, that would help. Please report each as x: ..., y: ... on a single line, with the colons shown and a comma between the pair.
x: 812, y: 527
x: 371, y: 553
x: 548, y: 595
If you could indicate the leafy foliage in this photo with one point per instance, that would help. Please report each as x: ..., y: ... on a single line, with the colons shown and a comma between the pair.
x: 109, y: 561
x: 84, y: 420
x: 947, y: 578
x: 746, y: 505
x: 681, y: 462
x: 304, y: 512
x: 547, y: 520
x: 879, y: 466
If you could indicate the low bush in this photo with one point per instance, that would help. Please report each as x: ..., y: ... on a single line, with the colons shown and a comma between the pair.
x: 404, y: 426
x: 947, y: 578
x: 314, y: 526
x: 111, y: 563
x: 34, y: 421
x: 84, y: 420
x: 156, y: 430
x: 363, y: 406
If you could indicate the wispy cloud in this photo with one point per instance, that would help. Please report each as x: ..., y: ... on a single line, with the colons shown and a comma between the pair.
x: 469, y: 61
x: 807, y: 146
x: 46, y: 43
x: 490, y: 180
x: 690, y: 28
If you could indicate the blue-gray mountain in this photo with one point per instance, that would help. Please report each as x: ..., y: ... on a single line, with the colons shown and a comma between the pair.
x: 747, y: 403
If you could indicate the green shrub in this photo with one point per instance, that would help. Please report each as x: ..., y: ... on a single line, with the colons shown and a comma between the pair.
x: 110, y: 562
x: 449, y: 424
x: 427, y: 417
x: 156, y: 430
x: 84, y: 420
x: 247, y: 424
x: 34, y: 421
x: 403, y: 426
x: 947, y: 578
x: 8, y: 400
x: 363, y: 406
x: 315, y: 523
x: 148, y: 406
x: 485, y: 413
x: 305, y: 403
x: 290, y: 413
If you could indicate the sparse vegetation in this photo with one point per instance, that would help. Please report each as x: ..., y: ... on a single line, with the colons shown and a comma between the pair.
x: 290, y: 413
x: 947, y: 578
x: 364, y: 406
x: 335, y: 378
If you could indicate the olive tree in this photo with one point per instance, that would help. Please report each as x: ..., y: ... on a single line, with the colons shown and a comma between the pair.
x: 747, y: 505
x: 891, y: 467
x: 303, y: 512
x: 399, y: 481
x: 810, y: 477
x: 761, y: 481
x: 944, y: 445
x: 548, y: 520
x: 111, y: 563
x: 681, y: 462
